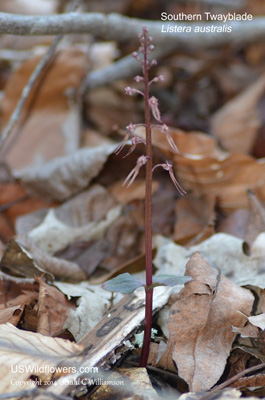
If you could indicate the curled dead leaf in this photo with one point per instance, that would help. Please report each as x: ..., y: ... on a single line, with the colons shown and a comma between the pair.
x: 200, y: 323
x: 236, y: 124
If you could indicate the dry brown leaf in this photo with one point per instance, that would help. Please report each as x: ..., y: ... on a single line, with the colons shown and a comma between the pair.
x: 204, y: 169
x: 136, y: 191
x: 66, y: 176
x: 124, y: 238
x: 11, y: 314
x: 53, y: 235
x: 194, y: 216
x: 234, y: 223
x: 23, y: 258
x: 53, y: 310
x: 31, y: 351
x: 255, y: 222
x: 226, y: 394
x: 236, y: 124
x: 228, y: 177
x: 187, y: 142
x: 14, y: 202
x: 200, y: 323
x: 108, y: 109
x: 17, y: 296
x: 90, y: 205
x: 256, y: 381
x: 221, y: 250
x: 91, y: 138
x: 88, y: 255
x: 19, y: 262
x: 38, y: 138
x: 29, y: 7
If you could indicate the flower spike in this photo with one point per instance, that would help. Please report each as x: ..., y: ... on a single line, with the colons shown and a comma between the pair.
x: 168, y: 167
x: 135, y: 171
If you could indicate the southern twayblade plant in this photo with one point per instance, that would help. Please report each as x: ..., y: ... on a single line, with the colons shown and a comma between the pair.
x: 125, y: 283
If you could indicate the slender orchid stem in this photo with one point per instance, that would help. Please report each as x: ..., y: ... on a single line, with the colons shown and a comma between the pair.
x: 148, y: 213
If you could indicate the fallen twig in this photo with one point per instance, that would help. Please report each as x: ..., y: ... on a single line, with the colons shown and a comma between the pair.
x: 121, y: 28
x: 229, y: 382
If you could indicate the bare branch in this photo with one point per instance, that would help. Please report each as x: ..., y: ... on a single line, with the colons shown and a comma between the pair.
x: 121, y: 28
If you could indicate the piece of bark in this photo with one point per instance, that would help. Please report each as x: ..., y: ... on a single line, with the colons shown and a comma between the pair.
x: 105, y: 342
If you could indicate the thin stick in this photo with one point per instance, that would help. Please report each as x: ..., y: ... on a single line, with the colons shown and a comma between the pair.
x: 29, y: 86
x: 3, y: 292
x: 223, y: 385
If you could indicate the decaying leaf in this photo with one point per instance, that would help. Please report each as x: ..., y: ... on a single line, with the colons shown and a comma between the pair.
x: 17, y: 260
x: 228, y: 177
x: 14, y: 198
x: 11, y: 314
x: 92, y: 304
x: 66, y: 176
x: 53, y: 310
x: 188, y: 143
x: 38, y: 138
x: 237, y: 123
x: 195, y: 217
x: 53, y: 235
x: 135, y: 191
x: 226, y: 394
x: 221, y: 250
x: 31, y: 351
x: 235, y: 223
x: 255, y: 222
x: 204, y: 169
x: 200, y: 323
x: 23, y: 258
x: 258, y: 320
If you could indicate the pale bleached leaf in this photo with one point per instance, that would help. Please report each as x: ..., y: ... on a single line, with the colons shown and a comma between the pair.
x: 63, y: 177
x: 53, y: 235
x: 23, y: 353
x: 221, y: 250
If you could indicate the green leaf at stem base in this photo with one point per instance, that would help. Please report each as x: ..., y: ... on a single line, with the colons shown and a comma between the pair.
x: 124, y: 283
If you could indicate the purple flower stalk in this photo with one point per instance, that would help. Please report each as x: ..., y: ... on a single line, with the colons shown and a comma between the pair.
x: 151, y: 107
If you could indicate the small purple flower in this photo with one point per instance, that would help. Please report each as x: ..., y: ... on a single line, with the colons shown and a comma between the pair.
x: 151, y: 48
x: 153, y: 63
x: 153, y: 103
x: 135, y: 140
x: 164, y: 129
x: 131, y: 91
x: 138, y: 78
x: 128, y: 90
x: 168, y: 167
x: 129, y: 129
x: 134, y: 172
x: 159, y: 78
